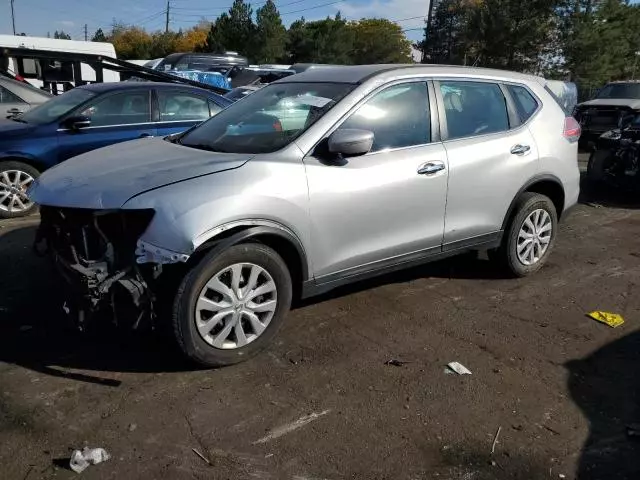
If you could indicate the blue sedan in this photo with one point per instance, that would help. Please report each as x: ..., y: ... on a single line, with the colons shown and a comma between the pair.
x: 90, y: 117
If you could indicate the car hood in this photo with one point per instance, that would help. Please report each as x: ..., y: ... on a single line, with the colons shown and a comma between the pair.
x: 612, y: 102
x: 108, y: 177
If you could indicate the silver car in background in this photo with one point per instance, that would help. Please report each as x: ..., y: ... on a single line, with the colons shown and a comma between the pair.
x: 18, y: 97
x: 320, y: 179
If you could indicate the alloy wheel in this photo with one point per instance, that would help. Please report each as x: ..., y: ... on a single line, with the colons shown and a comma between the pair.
x: 236, y: 306
x: 534, y: 237
x: 13, y: 188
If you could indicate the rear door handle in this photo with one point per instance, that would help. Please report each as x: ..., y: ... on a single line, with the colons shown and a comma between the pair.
x: 520, y: 149
x: 145, y: 135
x: 430, y: 168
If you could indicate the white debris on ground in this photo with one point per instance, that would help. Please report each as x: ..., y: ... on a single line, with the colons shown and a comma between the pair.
x: 81, y: 459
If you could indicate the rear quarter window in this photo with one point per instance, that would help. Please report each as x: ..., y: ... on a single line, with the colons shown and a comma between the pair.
x: 526, y: 104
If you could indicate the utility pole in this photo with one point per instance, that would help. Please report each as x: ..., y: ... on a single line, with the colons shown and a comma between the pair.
x: 86, y: 33
x: 13, y: 18
x: 166, y: 28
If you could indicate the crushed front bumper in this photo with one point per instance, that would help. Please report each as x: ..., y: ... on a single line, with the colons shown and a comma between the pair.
x: 94, y: 251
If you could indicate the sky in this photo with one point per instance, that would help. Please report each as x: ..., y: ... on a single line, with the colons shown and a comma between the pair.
x: 37, y: 17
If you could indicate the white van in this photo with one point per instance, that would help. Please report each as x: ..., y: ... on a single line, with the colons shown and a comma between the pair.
x: 51, y: 73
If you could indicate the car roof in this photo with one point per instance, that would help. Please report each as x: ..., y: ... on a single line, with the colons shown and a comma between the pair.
x: 26, y: 91
x: 362, y: 73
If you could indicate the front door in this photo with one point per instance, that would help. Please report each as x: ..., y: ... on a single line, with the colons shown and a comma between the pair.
x: 386, y: 206
x: 180, y: 110
x: 114, y: 118
x: 491, y: 156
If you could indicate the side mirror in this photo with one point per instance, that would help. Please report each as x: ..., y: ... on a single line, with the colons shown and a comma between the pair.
x: 350, y: 142
x: 77, y: 123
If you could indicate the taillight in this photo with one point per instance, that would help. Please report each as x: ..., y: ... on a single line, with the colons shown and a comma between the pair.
x: 277, y: 126
x: 572, y: 129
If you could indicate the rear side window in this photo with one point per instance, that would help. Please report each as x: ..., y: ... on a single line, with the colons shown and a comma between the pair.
x: 474, y: 108
x: 526, y: 104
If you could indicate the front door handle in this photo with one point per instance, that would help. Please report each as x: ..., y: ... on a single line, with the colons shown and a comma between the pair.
x: 520, y: 149
x: 146, y: 135
x: 430, y: 168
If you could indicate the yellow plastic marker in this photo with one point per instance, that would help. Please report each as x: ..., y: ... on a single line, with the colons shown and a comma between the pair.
x: 612, y: 319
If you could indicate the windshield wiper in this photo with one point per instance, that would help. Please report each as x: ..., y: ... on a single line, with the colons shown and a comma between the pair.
x: 17, y: 119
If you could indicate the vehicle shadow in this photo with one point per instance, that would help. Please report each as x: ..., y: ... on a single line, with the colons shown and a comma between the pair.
x: 35, y: 333
x: 607, y: 195
x: 467, y: 266
x: 606, y: 387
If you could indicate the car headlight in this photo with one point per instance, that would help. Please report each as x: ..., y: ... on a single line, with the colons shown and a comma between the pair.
x: 611, y: 135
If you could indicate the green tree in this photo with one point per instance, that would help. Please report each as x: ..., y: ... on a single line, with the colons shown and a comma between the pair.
x: 378, y: 40
x: 236, y: 29
x: 61, y: 35
x: 99, y: 36
x: 600, y: 41
x: 323, y: 41
x: 271, y: 36
x: 214, y: 42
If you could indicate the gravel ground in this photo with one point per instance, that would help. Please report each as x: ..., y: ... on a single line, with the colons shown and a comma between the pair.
x: 322, y: 403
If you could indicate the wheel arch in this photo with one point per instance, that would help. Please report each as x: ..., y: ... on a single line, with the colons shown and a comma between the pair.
x: 276, y: 236
x: 28, y: 160
x: 548, y: 185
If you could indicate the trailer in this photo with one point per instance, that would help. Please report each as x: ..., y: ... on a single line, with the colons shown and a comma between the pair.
x: 60, y: 71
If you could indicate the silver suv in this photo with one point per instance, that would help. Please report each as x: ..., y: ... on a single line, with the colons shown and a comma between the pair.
x: 317, y: 180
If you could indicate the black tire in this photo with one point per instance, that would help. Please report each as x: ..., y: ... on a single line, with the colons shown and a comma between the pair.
x: 507, y: 254
x: 22, y: 167
x: 187, y: 335
x: 595, y: 168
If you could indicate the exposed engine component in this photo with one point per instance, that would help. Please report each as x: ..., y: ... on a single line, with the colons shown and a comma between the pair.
x: 95, y: 253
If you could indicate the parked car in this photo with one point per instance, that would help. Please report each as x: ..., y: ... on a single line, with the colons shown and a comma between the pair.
x: 615, y: 160
x: 237, y: 93
x: 18, y: 97
x: 390, y: 166
x: 87, y: 118
x: 607, y: 110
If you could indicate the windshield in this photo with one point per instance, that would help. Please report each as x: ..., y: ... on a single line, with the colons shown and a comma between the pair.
x: 620, y: 90
x: 56, y: 107
x: 267, y: 120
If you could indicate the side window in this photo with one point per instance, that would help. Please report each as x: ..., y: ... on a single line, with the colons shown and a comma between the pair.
x: 178, y: 106
x: 474, y: 108
x: 8, y: 97
x: 120, y: 109
x: 398, y: 116
x: 526, y: 104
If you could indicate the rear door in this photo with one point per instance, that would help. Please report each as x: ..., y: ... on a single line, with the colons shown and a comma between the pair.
x: 491, y: 155
x: 179, y: 110
x: 115, y: 117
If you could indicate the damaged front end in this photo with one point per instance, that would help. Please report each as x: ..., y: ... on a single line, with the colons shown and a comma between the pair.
x: 95, y: 252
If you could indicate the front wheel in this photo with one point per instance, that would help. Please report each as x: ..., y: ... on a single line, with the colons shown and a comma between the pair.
x: 531, y: 235
x: 230, y: 306
x: 15, y: 179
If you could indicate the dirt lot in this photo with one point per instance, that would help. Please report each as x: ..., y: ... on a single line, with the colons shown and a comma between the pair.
x: 322, y: 404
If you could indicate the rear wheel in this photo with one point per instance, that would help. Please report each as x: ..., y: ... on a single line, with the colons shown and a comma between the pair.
x: 531, y: 235
x: 15, y: 179
x: 230, y: 306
